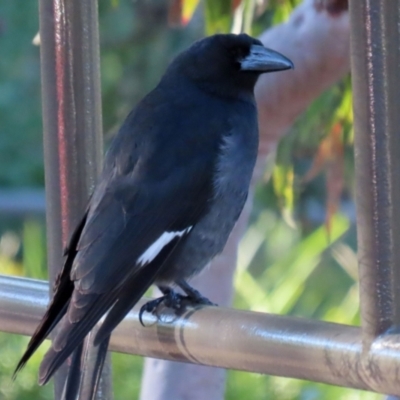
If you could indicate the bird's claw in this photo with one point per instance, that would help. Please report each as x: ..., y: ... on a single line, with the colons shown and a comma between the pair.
x: 174, y: 301
x: 171, y: 300
x: 149, y: 307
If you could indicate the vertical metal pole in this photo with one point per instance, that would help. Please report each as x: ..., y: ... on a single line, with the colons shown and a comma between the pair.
x: 71, y: 122
x: 375, y: 44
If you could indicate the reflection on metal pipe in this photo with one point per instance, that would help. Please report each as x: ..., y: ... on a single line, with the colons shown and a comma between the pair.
x: 70, y: 71
x: 263, y: 343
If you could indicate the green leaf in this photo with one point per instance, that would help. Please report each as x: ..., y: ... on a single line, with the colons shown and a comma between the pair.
x: 34, y: 257
x: 283, y: 179
x: 188, y: 9
x: 218, y: 15
x: 290, y: 273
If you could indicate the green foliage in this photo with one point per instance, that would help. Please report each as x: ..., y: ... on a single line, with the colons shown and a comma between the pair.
x: 226, y: 16
x: 273, y: 291
x: 25, y: 387
x: 282, y: 10
x: 34, y: 254
x: 127, y: 375
x: 218, y: 16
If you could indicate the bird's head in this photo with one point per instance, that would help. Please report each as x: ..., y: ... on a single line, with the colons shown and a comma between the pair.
x: 228, y: 63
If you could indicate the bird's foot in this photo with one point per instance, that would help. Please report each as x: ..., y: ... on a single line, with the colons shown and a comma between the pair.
x: 171, y: 299
x: 193, y: 295
x: 196, y: 300
x: 175, y: 301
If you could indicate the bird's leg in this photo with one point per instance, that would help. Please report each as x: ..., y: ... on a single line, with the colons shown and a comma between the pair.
x: 192, y: 294
x: 170, y: 298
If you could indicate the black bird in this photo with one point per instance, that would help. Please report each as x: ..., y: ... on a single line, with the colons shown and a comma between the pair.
x: 174, y: 182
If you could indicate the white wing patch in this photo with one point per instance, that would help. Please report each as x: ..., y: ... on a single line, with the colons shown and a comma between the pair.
x: 151, y: 253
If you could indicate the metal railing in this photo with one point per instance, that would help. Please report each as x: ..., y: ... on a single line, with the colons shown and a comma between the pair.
x: 249, y: 341
x: 72, y: 125
x: 367, y: 357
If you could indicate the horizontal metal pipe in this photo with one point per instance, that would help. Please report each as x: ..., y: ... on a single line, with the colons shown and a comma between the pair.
x: 263, y: 343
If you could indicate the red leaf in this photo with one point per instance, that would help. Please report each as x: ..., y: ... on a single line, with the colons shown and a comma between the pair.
x: 181, y: 12
x: 235, y: 4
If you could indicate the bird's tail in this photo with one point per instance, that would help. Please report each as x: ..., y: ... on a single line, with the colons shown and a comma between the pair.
x: 85, y: 370
x: 77, y: 325
x: 58, y: 306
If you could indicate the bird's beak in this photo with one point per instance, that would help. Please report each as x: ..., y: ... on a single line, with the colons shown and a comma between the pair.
x: 262, y: 59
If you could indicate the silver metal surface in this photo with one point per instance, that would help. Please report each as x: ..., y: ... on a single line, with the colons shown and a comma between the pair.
x: 71, y: 120
x: 263, y: 343
x: 375, y: 44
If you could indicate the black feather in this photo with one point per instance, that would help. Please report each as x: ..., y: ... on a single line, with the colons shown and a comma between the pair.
x: 58, y: 306
x: 79, y: 369
x: 133, y: 290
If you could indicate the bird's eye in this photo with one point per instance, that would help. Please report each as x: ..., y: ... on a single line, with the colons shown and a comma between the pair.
x: 237, y: 53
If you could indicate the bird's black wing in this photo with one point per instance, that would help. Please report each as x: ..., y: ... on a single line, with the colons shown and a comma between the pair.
x: 147, y: 200
x: 156, y: 184
x: 112, y: 256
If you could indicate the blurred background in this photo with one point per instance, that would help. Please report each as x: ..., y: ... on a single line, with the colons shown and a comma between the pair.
x: 298, y: 256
